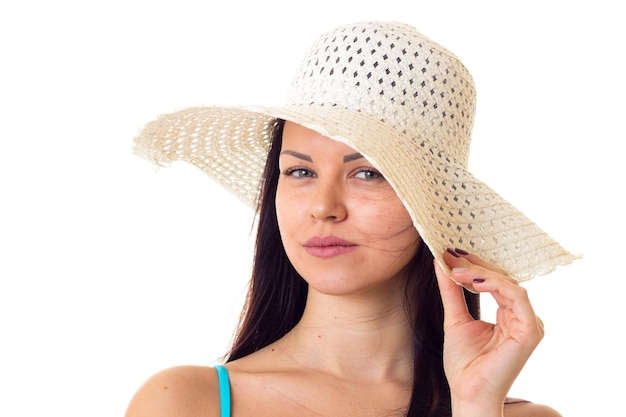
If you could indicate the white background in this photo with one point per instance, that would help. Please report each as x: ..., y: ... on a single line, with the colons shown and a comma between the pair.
x: 110, y: 270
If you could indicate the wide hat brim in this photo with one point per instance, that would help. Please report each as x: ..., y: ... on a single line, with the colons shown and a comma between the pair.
x: 449, y: 207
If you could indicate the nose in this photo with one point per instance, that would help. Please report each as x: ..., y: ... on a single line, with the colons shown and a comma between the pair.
x: 328, y: 203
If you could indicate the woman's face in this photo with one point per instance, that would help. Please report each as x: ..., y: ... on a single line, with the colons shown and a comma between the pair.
x: 342, y: 225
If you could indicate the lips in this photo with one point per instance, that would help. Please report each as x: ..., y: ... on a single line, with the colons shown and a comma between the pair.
x: 328, y: 247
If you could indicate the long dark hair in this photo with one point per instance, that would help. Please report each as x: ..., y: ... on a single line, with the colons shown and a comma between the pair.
x: 277, y: 296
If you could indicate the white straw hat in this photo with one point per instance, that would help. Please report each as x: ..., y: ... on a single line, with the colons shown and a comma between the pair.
x: 404, y: 102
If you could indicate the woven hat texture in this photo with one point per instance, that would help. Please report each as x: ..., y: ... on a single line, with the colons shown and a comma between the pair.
x: 404, y: 102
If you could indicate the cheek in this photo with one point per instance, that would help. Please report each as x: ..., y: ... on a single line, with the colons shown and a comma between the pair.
x: 387, y: 216
x: 286, y: 212
x: 392, y: 228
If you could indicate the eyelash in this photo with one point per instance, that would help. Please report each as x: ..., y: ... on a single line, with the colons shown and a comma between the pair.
x: 369, y: 171
x: 289, y: 171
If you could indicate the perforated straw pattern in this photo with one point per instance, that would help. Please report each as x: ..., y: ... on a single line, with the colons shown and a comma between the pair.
x: 403, y: 101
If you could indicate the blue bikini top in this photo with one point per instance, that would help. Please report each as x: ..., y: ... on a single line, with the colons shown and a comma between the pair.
x: 224, y: 383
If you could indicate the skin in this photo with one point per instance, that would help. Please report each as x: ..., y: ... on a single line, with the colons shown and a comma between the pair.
x: 350, y: 354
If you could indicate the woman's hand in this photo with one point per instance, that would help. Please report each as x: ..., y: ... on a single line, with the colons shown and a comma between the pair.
x: 481, y: 360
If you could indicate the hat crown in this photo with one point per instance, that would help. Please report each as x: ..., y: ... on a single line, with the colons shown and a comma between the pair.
x: 393, y: 73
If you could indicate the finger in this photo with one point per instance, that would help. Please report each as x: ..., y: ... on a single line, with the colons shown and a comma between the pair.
x: 541, y: 327
x: 512, y: 300
x: 459, y: 261
x: 454, y: 305
x: 454, y: 260
x: 505, y: 290
x: 477, y: 260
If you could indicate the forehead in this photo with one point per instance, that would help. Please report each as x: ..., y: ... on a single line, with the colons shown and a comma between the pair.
x: 298, y: 137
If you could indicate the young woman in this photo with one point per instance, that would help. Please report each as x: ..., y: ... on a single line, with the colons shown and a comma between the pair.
x: 373, y: 243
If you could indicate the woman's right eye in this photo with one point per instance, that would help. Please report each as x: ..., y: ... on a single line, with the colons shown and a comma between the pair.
x: 298, y: 172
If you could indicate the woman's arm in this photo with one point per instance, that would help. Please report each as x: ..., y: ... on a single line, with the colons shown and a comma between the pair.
x: 528, y: 409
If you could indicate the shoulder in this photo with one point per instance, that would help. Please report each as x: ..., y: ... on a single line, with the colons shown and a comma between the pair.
x: 181, y: 391
x: 519, y: 408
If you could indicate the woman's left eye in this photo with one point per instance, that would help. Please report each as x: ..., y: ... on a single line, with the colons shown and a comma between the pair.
x: 368, y: 174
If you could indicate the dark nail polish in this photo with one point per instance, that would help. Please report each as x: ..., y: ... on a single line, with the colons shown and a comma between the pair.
x: 461, y: 252
x: 453, y: 253
x: 478, y: 280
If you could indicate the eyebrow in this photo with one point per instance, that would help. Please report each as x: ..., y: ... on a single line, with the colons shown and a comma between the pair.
x: 352, y: 157
x: 297, y: 155
x: 304, y: 157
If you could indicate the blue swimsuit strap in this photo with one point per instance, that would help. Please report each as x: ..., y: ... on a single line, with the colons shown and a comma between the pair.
x: 224, y: 383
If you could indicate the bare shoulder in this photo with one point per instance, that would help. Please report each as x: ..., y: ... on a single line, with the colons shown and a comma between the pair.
x: 181, y: 391
x: 528, y: 409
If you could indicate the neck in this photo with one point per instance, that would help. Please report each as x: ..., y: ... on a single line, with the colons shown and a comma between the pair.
x: 367, y: 338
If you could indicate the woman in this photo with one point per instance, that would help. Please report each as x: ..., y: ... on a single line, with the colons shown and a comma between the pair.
x: 373, y: 241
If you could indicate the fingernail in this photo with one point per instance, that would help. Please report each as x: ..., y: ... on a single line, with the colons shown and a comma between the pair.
x: 461, y: 252
x: 478, y: 280
x: 453, y: 253
x: 459, y: 269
